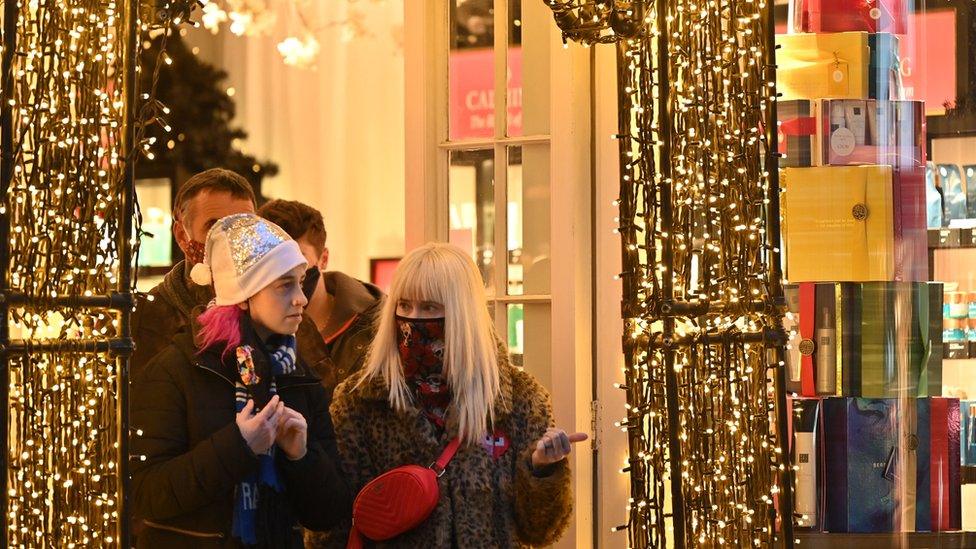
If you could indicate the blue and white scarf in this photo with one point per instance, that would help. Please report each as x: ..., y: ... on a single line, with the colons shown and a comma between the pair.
x: 246, y: 500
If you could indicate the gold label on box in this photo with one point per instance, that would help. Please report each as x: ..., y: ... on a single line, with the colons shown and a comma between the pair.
x: 838, y: 83
x: 912, y: 442
x: 807, y: 347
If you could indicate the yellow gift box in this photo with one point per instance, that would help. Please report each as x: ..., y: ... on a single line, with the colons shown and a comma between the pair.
x: 823, y: 66
x: 839, y: 224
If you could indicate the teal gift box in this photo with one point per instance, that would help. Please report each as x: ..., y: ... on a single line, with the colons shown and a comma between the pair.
x: 884, y: 67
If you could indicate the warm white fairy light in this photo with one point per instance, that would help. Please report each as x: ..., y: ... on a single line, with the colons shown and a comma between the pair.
x: 212, y: 15
x: 68, y: 101
x: 717, y: 85
x: 259, y: 18
x: 300, y: 52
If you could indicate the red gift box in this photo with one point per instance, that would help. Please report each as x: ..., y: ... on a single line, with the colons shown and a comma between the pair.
x: 911, y: 230
x: 822, y: 342
x: 938, y: 493
x: 807, y: 345
x: 850, y: 15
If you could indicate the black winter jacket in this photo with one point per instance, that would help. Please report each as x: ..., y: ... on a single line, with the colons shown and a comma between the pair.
x: 183, y: 409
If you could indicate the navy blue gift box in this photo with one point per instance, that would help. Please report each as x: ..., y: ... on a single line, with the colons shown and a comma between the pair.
x: 863, y: 490
x: 860, y: 447
x: 968, y: 436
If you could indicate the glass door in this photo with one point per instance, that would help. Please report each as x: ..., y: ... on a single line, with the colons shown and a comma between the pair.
x: 497, y: 157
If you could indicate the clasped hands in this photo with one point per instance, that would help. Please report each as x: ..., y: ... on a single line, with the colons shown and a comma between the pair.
x: 274, y: 424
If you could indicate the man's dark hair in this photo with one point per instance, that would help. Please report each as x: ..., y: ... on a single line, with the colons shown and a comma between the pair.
x: 214, y: 179
x: 298, y: 220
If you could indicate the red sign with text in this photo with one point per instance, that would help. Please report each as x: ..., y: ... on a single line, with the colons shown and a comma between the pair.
x: 928, y: 59
x: 472, y: 93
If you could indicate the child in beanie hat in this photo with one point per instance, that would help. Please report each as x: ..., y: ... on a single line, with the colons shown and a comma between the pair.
x: 243, y: 254
x: 250, y: 472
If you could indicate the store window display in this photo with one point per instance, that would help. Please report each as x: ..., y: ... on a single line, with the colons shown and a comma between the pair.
x: 876, y: 209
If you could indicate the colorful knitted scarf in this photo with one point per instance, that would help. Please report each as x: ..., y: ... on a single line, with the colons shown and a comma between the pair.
x: 257, y: 510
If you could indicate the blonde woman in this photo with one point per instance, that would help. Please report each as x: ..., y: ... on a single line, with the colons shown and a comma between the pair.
x: 435, y: 372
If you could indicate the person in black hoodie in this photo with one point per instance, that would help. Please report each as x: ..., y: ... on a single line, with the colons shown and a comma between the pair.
x: 233, y: 444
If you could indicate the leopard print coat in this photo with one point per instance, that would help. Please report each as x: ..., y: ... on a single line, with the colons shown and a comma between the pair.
x: 489, y: 495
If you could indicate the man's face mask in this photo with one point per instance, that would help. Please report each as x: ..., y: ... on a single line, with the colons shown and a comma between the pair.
x: 194, y: 252
x: 311, y: 282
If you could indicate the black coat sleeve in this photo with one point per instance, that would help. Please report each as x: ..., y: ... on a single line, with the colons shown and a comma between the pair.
x: 318, y: 491
x: 153, y: 326
x: 169, y: 478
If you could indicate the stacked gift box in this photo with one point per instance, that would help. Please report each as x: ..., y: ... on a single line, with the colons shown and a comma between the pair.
x: 871, y: 465
x: 855, y: 223
x: 856, y: 330
x: 877, y: 449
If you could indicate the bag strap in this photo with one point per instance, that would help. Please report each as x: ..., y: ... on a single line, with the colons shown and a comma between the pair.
x: 355, y: 538
x: 446, y: 456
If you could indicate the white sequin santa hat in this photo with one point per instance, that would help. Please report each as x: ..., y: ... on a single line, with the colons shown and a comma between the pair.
x: 245, y: 253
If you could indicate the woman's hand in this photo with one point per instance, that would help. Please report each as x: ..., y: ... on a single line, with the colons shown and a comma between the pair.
x: 292, y: 436
x: 554, y: 446
x: 259, y: 429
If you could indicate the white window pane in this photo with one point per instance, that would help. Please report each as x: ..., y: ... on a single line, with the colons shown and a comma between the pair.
x: 528, y: 235
x: 471, y: 70
x: 471, y: 190
x: 528, y: 67
x: 529, y: 340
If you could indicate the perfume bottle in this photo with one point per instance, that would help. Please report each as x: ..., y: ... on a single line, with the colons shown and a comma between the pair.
x: 837, y: 119
x: 806, y: 478
x: 806, y: 457
x: 826, y: 383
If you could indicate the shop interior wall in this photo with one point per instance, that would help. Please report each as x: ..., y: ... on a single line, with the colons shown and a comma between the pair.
x: 957, y: 375
x: 954, y: 150
x: 335, y: 129
x: 956, y: 266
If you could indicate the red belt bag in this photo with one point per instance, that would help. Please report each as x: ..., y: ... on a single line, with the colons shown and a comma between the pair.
x: 398, y: 500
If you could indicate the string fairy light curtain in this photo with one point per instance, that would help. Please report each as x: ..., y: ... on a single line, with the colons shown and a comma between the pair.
x: 702, y: 284
x: 70, y: 130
